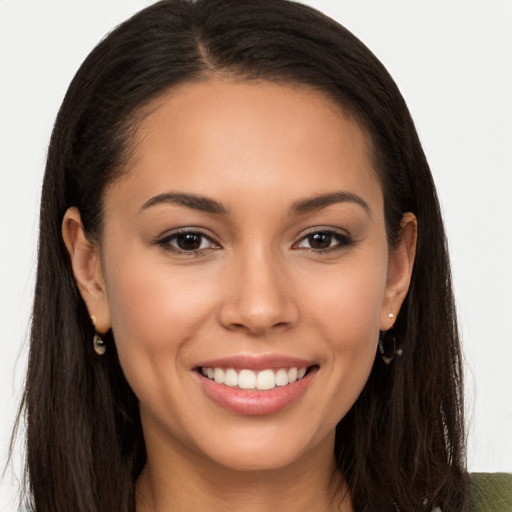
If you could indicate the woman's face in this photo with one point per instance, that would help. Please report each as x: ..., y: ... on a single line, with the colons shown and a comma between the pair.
x: 245, y: 245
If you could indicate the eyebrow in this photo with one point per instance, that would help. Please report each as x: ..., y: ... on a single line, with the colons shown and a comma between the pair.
x: 205, y: 204
x: 319, y: 202
x: 192, y: 201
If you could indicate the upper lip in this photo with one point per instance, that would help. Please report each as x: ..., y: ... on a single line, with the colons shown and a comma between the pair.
x: 251, y: 362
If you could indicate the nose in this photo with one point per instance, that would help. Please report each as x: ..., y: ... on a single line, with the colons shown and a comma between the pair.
x: 259, y: 295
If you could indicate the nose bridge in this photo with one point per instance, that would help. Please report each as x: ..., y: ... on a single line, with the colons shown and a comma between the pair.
x: 259, y: 297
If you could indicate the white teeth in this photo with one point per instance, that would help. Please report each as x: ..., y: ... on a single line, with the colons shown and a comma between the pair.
x: 266, y: 380
x: 248, y: 379
x: 231, y: 378
x: 281, y: 377
x: 292, y: 375
x: 218, y: 375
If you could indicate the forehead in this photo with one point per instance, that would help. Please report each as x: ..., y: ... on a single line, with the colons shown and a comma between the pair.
x: 218, y: 136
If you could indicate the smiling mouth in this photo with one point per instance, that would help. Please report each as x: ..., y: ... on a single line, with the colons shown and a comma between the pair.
x: 255, y: 380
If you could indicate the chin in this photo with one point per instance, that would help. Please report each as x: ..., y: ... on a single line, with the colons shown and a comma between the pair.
x: 257, y: 457
x: 264, y: 445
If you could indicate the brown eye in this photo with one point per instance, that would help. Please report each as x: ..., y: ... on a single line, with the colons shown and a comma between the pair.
x: 323, y: 241
x: 189, y: 241
x: 320, y: 240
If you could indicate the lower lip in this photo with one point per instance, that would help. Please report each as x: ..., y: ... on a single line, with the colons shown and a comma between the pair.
x: 254, y: 402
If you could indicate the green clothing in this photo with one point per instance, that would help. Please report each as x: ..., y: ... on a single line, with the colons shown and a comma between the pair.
x: 491, y: 492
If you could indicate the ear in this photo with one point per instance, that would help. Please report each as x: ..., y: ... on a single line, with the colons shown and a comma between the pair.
x: 87, y: 269
x: 401, y: 261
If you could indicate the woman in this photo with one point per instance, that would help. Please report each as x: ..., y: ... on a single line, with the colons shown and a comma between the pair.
x: 243, y: 297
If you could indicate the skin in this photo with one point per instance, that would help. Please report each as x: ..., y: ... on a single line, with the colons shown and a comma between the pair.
x: 257, y: 286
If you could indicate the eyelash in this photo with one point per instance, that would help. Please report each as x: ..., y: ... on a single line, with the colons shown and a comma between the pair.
x: 343, y: 241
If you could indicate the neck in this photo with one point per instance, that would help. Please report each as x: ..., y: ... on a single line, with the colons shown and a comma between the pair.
x: 192, y: 485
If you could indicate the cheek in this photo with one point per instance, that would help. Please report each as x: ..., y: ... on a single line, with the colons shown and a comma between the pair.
x: 347, y: 317
x: 347, y: 302
x: 154, y: 312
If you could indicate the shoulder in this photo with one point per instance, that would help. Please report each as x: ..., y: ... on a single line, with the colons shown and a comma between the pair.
x: 491, y: 492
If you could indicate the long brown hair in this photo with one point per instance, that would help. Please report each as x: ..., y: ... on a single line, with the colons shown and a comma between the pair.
x: 401, y: 446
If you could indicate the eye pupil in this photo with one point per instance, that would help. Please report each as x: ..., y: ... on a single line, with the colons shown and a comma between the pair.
x: 320, y: 240
x: 189, y: 241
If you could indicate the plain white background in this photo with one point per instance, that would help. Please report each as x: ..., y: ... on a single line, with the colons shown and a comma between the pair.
x: 452, y: 60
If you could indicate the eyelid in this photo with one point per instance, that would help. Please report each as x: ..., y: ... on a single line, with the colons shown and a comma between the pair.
x: 324, y: 229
